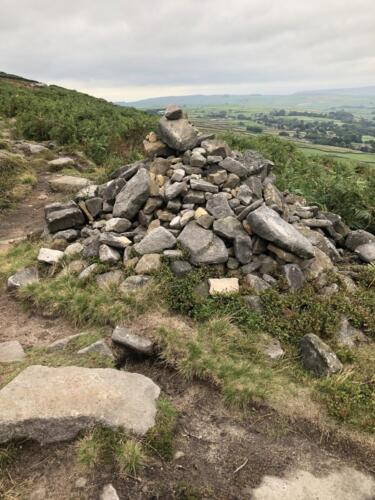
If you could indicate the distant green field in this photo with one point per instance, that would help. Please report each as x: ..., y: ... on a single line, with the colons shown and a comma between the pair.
x: 325, y: 151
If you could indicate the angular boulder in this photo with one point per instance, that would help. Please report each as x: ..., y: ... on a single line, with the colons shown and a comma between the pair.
x: 66, y: 217
x: 55, y: 404
x: 357, y: 238
x: 68, y: 183
x: 179, y: 135
x: 11, y: 352
x: 133, y: 196
x: 366, y: 252
x: 156, y: 241
x: 23, y: 277
x: 125, y: 337
x: 268, y: 224
x: 203, y: 245
x: 318, y: 356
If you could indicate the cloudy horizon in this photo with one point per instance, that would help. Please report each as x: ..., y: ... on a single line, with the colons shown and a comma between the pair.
x: 122, y: 50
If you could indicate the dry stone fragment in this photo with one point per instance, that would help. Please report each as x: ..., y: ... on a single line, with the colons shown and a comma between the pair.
x: 318, y: 356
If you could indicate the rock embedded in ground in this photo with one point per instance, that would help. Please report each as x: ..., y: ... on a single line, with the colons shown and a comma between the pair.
x: 255, y: 283
x: 99, y: 347
x: 109, y: 493
x: 348, y: 336
x: 366, y: 252
x: 61, y: 344
x: 148, y: 263
x: 49, y: 256
x: 156, y: 241
x: 55, y: 404
x: 223, y: 286
x: 134, y: 283
x: 273, y: 349
x: 68, y: 183
x: 60, y: 163
x: 318, y: 356
x: 268, y: 224
x: 180, y: 268
x: 22, y: 277
x: 133, y: 196
x: 127, y: 338
x: 357, y: 238
x: 294, y: 277
x: 111, y: 278
x: 11, y: 352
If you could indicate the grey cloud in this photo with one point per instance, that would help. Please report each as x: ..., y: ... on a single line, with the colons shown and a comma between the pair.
x: 146, y: 47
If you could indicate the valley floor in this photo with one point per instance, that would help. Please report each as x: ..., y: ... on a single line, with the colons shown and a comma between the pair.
x: 218, y: 453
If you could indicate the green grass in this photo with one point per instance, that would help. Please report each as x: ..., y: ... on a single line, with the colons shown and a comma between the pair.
x: 23, y: 254
x: 225, y: 340
x: 160, y: 438
x: 106, y: 446
x: 71, y: 118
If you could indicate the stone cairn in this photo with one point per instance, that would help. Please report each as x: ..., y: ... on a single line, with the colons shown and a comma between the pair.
x: 196, y: 202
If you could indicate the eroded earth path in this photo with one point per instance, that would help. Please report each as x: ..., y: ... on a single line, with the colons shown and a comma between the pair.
x: 219, y: 454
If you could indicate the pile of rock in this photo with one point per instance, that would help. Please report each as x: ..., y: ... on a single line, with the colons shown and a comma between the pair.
x: 196, y: 202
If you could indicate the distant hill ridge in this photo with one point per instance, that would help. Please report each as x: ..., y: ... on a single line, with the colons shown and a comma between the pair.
x: 353, y: 96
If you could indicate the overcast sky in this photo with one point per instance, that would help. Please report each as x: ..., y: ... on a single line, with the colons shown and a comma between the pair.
x: 130, y: 49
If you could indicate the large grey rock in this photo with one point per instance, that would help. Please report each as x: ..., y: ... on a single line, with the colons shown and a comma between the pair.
x: 23, y: 277
x: 66, y: 217
x: 111, y: 189
x: 134, y: 283
x: 357, y: 238
x: 202, y: 185
x: 94, y: 205
x: 234, y: 166
x: 228, y: 227
x: 11, y: 352
x: 218, y: 206
x: 318, y: 356
x: 180, y: 267
x: 216, y: 147
x: 69, y: 235
x: 178, y: 134
x: 49, y: 256
x: 366, y: 252
x: 204, y: 246
x: 55, y: 404
x: 133, y: 196
x: 68, y: 183
x: 156, y: 241
x: 148, y: 263
x: 138, y: 343
x: 111, y: 278
x: 267, y: 224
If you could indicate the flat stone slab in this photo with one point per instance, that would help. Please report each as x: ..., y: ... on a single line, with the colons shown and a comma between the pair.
x: 68, y: 183
x: 345, y: 483
x: 223, y: 286
x: 55, y: 404
x: 126, y: 338
x: 11, y: 351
